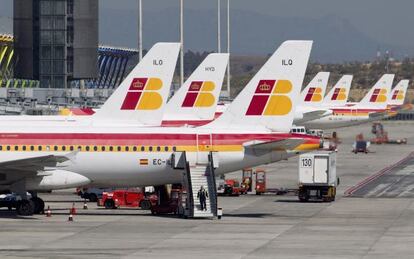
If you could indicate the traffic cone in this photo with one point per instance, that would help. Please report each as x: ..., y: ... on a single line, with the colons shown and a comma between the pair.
x: 48, y: 212
x: 70, y: 215
x: 73, y: 209
x: 85, y: 205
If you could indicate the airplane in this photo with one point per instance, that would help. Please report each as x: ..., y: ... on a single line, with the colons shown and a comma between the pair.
x: 311, y: 99
x: 397, y: 97
x: 194, y: 104
x: 371, y: 107
x: 208, y: 77
x: 338, y: 95
x: 253, y: 131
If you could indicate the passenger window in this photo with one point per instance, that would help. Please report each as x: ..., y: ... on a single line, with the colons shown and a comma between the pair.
x: 16, y: 148
x: 31, y: 148
x: 119, y: 148
x: 8, y: 148
x: 158, y: 149
x: 103, y: 148
x: 1, y: 147
x: 39, y: 148
x: 126, y: 148
x: 71, y: 148
x: 55, y: 148
x: 174, y: 149
x: 134, y: 149
x: 142, y: 148
x: 87, y: 148
x: 24, y: 148
x: 111, y: 148
x: 63, y: 148
x: 150, y: 149
x: 166, y: 148
x: 95, y: 148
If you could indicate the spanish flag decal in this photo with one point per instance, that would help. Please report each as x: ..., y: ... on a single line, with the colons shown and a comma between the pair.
x: 143, y: 162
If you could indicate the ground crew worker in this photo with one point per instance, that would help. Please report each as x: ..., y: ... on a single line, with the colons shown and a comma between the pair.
x: 202, y: 195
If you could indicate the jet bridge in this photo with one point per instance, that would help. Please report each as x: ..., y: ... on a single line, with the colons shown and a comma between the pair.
x: 196, y: 175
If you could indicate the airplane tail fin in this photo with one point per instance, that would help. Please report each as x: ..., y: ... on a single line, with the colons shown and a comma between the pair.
x: 378, y: 95
x: 338, y: 95
x: 197, y: 98
x: 270, y: 98
x: 399, y: 92
x: 141, y: 97
x: 314, y: 92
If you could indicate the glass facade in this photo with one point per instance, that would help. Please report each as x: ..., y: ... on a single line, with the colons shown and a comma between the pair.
x: 53, y: 44
x: 56, y: 42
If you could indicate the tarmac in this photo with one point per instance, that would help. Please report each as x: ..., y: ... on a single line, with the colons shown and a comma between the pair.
x: 367, y: 222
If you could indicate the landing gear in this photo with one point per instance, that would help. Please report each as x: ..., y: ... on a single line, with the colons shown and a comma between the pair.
x: 25, y: 207
x: 39, y: 205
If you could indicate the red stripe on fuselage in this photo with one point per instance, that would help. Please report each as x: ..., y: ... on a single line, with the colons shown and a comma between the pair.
x: 138, y: 139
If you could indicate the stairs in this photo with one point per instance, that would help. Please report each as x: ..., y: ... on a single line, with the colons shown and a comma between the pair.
x: 200, y: 176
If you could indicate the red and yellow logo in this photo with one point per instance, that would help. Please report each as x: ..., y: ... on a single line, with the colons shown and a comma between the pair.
x: 271, y: 98
x: 314, y: 95
x: 199, y: 94
x: 143, y: 94
x: 339, y: 94
x: 379, y: 96
x: 398, y: 95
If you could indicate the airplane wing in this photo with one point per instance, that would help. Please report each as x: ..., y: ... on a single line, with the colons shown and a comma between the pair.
x: 33, y: 164
x: 313, y: 115
x: 285, y: 144
x: 377, y: 115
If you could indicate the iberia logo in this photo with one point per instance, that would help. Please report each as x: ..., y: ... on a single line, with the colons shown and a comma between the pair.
x: 398, y: 95
x: 271, y: 98
x: 379, y: 96
x: 314, y: 95
x: 339, y: 94
x: 143, y: 94
x: 199, y: 94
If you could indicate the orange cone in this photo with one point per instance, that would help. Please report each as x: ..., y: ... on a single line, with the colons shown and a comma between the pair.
x: 73, y: 209
x: 48, y: 212
x: 70, y: 215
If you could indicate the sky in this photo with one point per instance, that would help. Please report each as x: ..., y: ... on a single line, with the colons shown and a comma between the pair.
x: 385, y: 21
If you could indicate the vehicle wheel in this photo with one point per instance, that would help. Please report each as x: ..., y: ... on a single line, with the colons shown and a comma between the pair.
x: 109, y: 204
x: 92, y: 197
x: 145, y: 204
x: 25, y: 208
x: 39, y: 205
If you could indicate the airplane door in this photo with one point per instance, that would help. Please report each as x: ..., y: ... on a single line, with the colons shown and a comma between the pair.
x: 204, y: 144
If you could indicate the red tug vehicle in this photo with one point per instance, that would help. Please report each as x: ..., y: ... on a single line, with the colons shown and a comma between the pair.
x: 127, y: 198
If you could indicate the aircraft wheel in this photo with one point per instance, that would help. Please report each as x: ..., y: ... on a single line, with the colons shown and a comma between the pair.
x: 25, y: 207
x: 39, y: 205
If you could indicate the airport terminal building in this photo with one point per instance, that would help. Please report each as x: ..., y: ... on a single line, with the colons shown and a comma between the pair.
x: 56, y: 41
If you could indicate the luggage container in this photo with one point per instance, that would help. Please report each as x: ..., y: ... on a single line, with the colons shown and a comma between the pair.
x: 317, y: 176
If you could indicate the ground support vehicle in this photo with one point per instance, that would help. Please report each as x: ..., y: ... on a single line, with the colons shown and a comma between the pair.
x: 254, y: 180
x: 317, y: 176
x: 168, y: 206
x: 126, y: 199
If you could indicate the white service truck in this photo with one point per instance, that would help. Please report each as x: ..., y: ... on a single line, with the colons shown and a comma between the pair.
x: 317, y: 176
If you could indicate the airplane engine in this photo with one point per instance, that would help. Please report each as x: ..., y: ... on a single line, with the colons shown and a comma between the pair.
x: 56, y: 179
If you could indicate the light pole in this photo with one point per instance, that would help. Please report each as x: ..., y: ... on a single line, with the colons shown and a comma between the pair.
x: 182, y: 42
x: 140, y: 29
x: 219, y: 26
x: 228, y: 47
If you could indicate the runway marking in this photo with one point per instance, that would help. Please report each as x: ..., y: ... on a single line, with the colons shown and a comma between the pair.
x: 349, y: 192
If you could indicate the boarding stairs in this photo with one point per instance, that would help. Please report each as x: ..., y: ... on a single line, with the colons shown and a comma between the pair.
x: 196, y: 175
